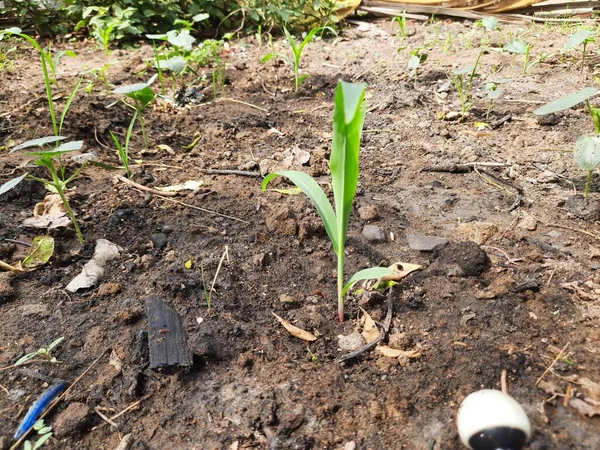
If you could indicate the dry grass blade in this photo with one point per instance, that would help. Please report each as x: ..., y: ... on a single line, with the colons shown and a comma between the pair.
x: 295, y: 331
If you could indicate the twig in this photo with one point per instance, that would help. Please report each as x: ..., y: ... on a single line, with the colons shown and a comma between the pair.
x: 145, y: 188
x: 106, y: 419
x: 98, y: 140
x: 568, y: 395
x: 361, y: 350
x: 14, y: 241
x: 243, y: 173
x: 4, y: 389
x: 244, y: 103
x: 560, y: 354
x: 187, y: 205
x: 31, y: 361
x: 510, y: 227
x: 58, y: 400
x: 130, y: 407
x: 510, y: 260
x: 565, y: 227
x: 503, y: 385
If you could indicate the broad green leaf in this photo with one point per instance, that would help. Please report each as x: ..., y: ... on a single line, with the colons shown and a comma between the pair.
x: 348, y: 117
x: 367, y: 274
x: 181, y: 39
x: 37, y: 142
x: 200, y: 17
x: 516, y: 46
x: 577, y: 38
x: 566, y: 102
x: 463, y: 71
x: 11, y: 184
x: 130, y: 88
x: 176, y: 64
x: 310, y: 187
x: 40, y: 252
x: 41, y: 441
x: 414, y: 62
x: 490, y: 23
x: 587, y: 152
x: 494, y: 94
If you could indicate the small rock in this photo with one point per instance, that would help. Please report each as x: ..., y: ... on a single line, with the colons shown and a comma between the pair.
x: 6, y: 290
x: 259, y: 259
x: 84, y: 157
x: 106, y: 289
x: 500, y: 286
x: 291, y: 416
x: 350, y: 446
x: 34, y: 309
x: 373, y: 233
x: 547, y: 177
x: 529, y: 222
x: 125, y: 443
x: 478, y: 232
x: 72, y: 419
x: 368, y: 212
x: 128, y: 315
x: 285, y: 298
x: 159, y: 241
x: 120, y: 216
x: 399, y: 341
x: 462, y: 259
x: 425, y: 243
x: 351, y: 342
x: 583, y: 208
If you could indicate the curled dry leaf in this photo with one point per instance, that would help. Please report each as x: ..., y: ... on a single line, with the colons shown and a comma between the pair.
x: 295, y: 331
x: 370, y: 331
x: 401, y: 270
x: 51, y: 214
x: 395, y: 353
x: 584, y: 408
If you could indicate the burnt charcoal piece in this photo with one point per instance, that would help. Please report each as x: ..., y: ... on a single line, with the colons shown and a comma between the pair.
x: 167, y: 338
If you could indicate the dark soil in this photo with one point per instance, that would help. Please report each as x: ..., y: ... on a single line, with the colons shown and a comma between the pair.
x: 516, y: 283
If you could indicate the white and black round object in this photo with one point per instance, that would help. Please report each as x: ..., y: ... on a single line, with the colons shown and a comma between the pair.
x: 491, y: 420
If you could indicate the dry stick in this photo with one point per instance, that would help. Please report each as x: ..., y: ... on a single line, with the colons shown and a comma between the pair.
x: 503, y: 384
x: 510, y: 260
x: 133, y: 405
x: 59, y: 399
x: 106, y: 419
x: 565, y: 227
x: 145, y: 188
x: 244, y: 103
x: 511, y: 226
x: 568, y: 395
x: 187, y: 205
x: 560, y: 354
x: 8, y: 267
x: 225, y: 254
x: 4, y: 389
x: 31, y: 361
x: 243, y: 173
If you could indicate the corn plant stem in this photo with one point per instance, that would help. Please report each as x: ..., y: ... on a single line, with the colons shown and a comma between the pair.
x: 158, y: 68
x: 340, y: 279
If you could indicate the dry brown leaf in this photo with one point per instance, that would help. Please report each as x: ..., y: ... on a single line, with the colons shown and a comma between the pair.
x: 395, y: 353
x: 590, y: 389
x: 499, y: 286
x: 295, y: 331
x: 370, y: 331
x: 401, y: 270
x: 584, y: 408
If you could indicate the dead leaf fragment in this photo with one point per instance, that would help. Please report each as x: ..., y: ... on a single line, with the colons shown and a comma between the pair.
x: 40, y: 252
x: 93, y: 270
x: 500, y: 286
x: 51, y: 214
x: 370, y: 331
x: 584, y: 408
x: 401, y: 270
x: 295, y: 331
x: 395, y: 353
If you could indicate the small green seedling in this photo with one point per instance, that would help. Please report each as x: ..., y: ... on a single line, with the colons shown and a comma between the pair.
x: 142, y: 95
x: 519, y: 47
x: 52, y: 161
x: 417, y: 57
x: 402, y: 28
x: 348, y: 118
x: 490, y: 23
x: 103, y: 34
x: 463, y: 82
x: 493, y: 93
x: 123, y: 150
x: 44, y: 434
x: 297, y: 50
x: 48, y: 62
x: 587, y: 148
x: 580, y: 37
x: 44, y: 353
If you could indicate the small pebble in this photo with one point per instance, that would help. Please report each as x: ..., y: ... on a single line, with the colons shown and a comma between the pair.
x: 373, y: 233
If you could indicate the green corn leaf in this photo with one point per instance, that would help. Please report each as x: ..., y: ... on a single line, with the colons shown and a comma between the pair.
x: 68, y: 104
x: 310, y: 187
x: 577, y: 38
x: 566, y: 102
x: 348, y: 118
x: 38, y: 142
x: 367, y: 274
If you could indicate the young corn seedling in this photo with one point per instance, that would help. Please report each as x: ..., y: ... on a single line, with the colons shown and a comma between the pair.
x: 463, y: 82
x: 580, y: 37
x: 348, y: 117
x: 52, y: 162
x: 297, y: 50
x: 418, y: 56
x: 43, y: 353
x: 587, y: 148
x: 142, y: 95
x: 48, y: 62
x: 123, y: 150
x: 493, y: 93
x: 402, y: 29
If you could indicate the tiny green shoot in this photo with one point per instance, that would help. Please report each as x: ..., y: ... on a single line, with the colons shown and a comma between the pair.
x: 44, y: 353
x: 402, y: 29
x: 580, y: 37
x: 348, y: 118
x: 208, y: 292
x: 142, y: 95
x: 44, y: 432
x: 123, y: 150
x: 463, y: 82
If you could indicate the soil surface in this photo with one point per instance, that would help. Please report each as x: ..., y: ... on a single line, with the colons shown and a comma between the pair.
x: 516, y: 282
